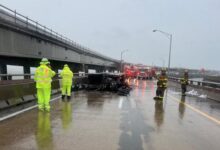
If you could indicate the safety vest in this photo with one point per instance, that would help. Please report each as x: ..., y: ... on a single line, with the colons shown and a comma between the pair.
x: 162, y: 82
x: 184, y: 81
x: 67, y: 76
x: 43, y: 76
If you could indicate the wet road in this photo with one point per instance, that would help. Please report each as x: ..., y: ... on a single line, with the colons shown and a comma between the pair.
x: 106, y: 121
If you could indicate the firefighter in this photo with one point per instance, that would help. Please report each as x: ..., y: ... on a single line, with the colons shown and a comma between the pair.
x: 67, y: 80
x: 164, y: 78
x: 161, y: 85
x: 184, y: 83
x: 43, y: 78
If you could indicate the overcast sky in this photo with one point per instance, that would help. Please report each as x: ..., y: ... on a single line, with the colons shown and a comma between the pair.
x: 110, y: 26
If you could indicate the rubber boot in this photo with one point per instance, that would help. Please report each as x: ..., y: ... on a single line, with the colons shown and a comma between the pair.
x: 63, y: 97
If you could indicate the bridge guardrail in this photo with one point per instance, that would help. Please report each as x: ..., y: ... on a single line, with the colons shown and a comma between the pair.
x: 30, y: 76
x: 27, y: 77
x: 210, y: 89
x: 198, y: 83
x: 14, y: 92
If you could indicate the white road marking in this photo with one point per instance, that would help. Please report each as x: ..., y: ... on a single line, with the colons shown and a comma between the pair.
x: 24, y: 110
x: 120, y: 104
x: 196, y: 110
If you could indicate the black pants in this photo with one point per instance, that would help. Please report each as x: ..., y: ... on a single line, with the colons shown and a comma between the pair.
x: 183, y: 88
x: 160, y: 92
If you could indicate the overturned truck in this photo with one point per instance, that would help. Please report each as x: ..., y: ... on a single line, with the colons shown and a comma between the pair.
x: 108, y: 82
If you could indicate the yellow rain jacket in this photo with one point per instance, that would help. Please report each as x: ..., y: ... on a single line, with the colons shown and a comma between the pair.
x: 43, y: 76
x: 67, y: 76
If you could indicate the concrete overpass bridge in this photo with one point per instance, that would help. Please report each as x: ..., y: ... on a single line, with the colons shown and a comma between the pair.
x: 24, y: 42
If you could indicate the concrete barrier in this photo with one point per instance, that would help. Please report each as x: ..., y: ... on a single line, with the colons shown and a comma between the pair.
x: 212, y: 93
x: 18, y: 93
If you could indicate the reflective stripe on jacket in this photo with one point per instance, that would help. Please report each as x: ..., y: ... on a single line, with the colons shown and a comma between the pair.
x: 42, y: 76
x: 161, y: 84
x: 184, y: 81
x: 162, y: 81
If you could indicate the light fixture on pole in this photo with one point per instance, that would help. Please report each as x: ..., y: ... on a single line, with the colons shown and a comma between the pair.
x: 170, y: 38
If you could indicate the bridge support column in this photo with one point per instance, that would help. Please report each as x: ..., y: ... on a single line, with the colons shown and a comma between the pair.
x: 86, y: 68
x: 83, y: 68
x: 27, y: 70
x: 3, y: 70
x: 102, y: 69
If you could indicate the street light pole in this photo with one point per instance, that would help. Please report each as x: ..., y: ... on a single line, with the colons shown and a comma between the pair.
x: 170, y: 53
x: 83, y: 62
x: 121, y: 58
x: 170, y: 38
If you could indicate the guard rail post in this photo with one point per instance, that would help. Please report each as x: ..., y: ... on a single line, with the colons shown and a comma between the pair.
x: 9, y: 77
x: 3, y: 70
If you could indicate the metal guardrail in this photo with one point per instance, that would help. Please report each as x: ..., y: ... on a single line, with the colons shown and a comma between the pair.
x: 78, y: 75
x: 34, y: 25
x: 29, y: 76
x: 3, y: 75
x: 199, y: 83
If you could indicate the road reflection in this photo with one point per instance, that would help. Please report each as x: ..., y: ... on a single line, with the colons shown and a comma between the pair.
x: 44, y: 136
x: 159, y: 113
x: 182, y: 107
x: 66, y: 114
x: 95, y: 101
x: 135, y: 130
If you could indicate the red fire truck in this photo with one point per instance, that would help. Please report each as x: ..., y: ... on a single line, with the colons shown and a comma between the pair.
x: 140, y: 72
x: 131, y: 71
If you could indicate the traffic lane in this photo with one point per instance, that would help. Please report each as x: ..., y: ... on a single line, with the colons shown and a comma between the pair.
x: 18, y: 128
x: 210, y: 107
x: 95, y: 120
x: 95, y: 123
x: 135, y: 126
x: 170, y: 124
x: 185, y: 127
x: 90, y: 117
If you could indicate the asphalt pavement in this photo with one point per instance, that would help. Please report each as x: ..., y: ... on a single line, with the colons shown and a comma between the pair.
x: 106, y: 121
